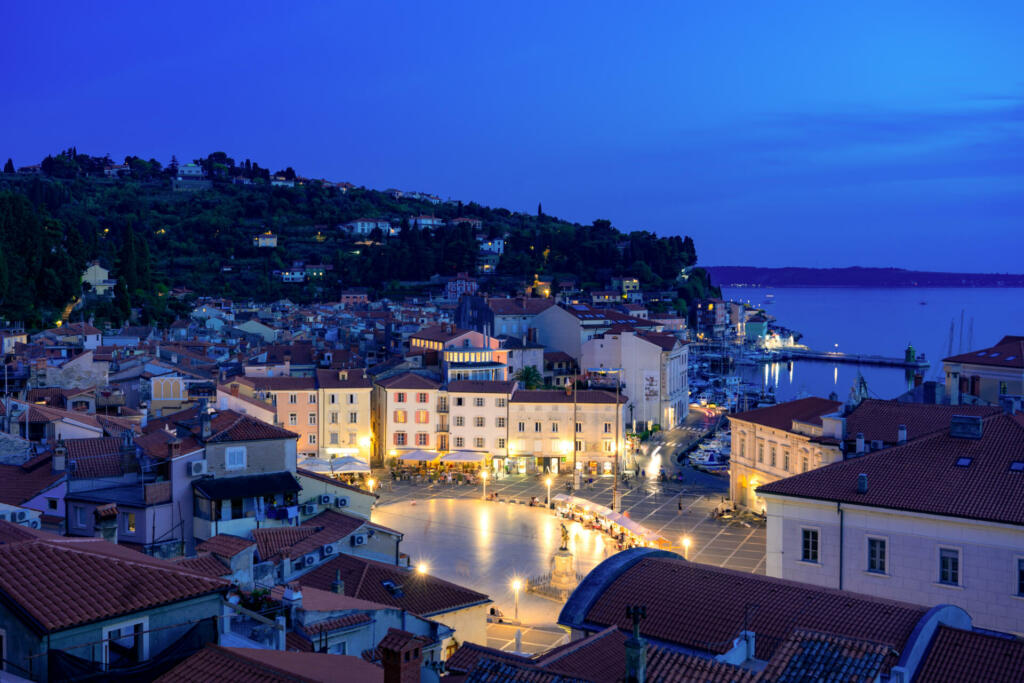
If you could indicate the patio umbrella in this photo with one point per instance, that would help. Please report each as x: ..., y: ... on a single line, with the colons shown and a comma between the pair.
x: 463, y: 456
x: 418, y: 456
x: 347, y: 464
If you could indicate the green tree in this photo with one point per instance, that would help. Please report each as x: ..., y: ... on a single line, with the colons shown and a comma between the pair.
x: 529, y: 377
x: 127, y: 262
x: 9, y: 166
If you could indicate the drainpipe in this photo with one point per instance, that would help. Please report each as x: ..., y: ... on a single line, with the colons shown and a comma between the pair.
x: 839, y: 509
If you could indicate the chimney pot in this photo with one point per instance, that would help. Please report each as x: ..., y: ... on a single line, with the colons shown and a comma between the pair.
x: 902, y: 434
x: 862, y: 483
x: 860, y: 443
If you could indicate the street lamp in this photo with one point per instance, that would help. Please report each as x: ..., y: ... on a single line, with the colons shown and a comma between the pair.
x: 686, y: 547
x: 422, y: 568
x: 548, y: 482
x: 370, y: 483
x: 483, y: 477
x: 517, y: 586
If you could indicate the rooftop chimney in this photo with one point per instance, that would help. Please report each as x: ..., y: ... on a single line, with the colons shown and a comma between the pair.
x: 173, y: 447
x: 292, y: 598
x: 636, y: 647
x: 60, y: 456
x: 338, y: 586
x: 862, y: 483
x: 204, y: 420
x: 860, y: 443
x: 901, y: 434
x: 400, y: 655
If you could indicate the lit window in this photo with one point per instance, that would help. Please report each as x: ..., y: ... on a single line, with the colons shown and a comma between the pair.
x: 129, y: 522
x: 400, y: 416
x: 422, y: 417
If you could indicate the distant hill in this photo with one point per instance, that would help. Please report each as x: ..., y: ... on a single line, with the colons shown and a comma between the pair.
x: 74, y: 208
x: 751, y: 276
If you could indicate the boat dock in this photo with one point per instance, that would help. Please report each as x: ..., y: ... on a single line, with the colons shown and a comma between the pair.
x: 858, y: 358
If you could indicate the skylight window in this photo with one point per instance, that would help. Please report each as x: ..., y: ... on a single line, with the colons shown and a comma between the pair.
x: 1011, y: 358
x: 994, y: 354
x: 963, y: 462
x: 982, y: 353
x: 1017, y: 466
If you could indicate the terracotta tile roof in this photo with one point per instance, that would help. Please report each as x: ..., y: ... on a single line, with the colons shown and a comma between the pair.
x: 408, y: 380
x: 465, y: 658
x: 354, y: 379
x: 154, y: 444
x: 1007, y: 353
x: 279, y: 383
x: 245, y: 665
x: 924, y: 476
x: 17, y: 533
x: 330, y: 480
x: 439, y: 333
x: 43, y: 414
x: 94, y: 458
x: 329, y: 526
x: 667, y: 666
x: 810, y: 656
x: 665, y: 340
x: 489, y: 670
x: 231, y: 426
x: 470, y: 386
x: 337, y: 623
x: 423, y: 595
x: 880, y: 420
x: 62, y: 584
x: 19, y: 483
x: 316, y: 600
x: 704, y: 608
x: 561, y: 396
x: 271, y: 541
x: 956, y: 655
x: 781, y: 416
x: 296, y: 642
x: 519, y: 306
x: 400, y: 641
x: 205, y: 564
x: 225, y: 545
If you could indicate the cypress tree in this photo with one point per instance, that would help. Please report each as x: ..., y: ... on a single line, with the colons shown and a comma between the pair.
x: 9, y: 166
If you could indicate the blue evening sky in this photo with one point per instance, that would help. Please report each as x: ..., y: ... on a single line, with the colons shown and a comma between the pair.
x: 775, y: 133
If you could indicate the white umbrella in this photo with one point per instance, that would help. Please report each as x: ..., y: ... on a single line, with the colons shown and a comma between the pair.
x: 418, y: 455
x: 463, y: 456
x: 349, y: 464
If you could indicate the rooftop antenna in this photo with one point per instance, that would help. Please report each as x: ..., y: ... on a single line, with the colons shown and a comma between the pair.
x: 970, y: 335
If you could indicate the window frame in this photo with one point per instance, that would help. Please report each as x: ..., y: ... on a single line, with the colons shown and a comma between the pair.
x: 959, y: 570
x: 871, y: 538
x: 235, y: 451
x: 816, y: 545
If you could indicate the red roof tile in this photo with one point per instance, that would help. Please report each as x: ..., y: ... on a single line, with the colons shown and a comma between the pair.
x: 519, y: 306
x: 62, y: 584
x: 329, y: 526
x: 19, y: 483
x: 880, y: 420
x: 924, y: 476
x: 781, y: 416
x: 561, y: 396
x: 353, y: 379
x: 1007, y: 353
x: 243, y: 665
x: 408, y: 380
x: 337, y: 623
x: 956, y: 656
x: 423, y: 595
x: 272, y: 540
x: 205, y: 564
x: 705, y: 608
x: 225, y: 545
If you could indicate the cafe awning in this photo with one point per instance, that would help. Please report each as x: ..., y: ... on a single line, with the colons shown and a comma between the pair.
x: 417, y: 456
x: 464, y: 456
x: 347, y: 464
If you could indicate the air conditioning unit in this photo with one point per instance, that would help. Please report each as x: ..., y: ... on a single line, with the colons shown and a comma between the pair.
x: 197, y: 468
x: 299, y: 564
x: 3, y: 516
x: 20, y: 515
x: 329, y: 549
x: 324, y: 499
x: 358, y: 539
x: 309, y: 560
x: 341, y: 501
x: 34, y: 524
x: 308, y: 509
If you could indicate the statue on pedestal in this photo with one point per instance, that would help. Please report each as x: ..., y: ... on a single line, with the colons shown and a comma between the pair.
x: 565, y: 538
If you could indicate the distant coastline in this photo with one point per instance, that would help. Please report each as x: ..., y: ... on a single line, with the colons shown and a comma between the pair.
x: 752, y: 276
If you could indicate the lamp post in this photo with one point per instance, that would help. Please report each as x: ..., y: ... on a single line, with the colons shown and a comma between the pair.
x: 422, y: 568
x: 686, y: 547
x: 370, y: 483
x: 517, y: 586
x: 548, y: 482
x: 483, y: 478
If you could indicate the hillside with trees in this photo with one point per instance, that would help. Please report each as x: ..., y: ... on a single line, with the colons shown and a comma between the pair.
x: 56, y: 219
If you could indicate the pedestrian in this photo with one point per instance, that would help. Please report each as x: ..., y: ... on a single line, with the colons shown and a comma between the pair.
x: 680, y: 506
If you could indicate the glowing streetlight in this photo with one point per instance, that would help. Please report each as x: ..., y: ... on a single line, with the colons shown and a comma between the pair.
x: 517, y: 586
x: 422, y: 568
x: 686, y: 547
x: 483, y: 478
x: 370, y: 483
x: 548, y: 482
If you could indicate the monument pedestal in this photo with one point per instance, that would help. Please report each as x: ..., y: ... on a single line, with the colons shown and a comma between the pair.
x: 563, y: 571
